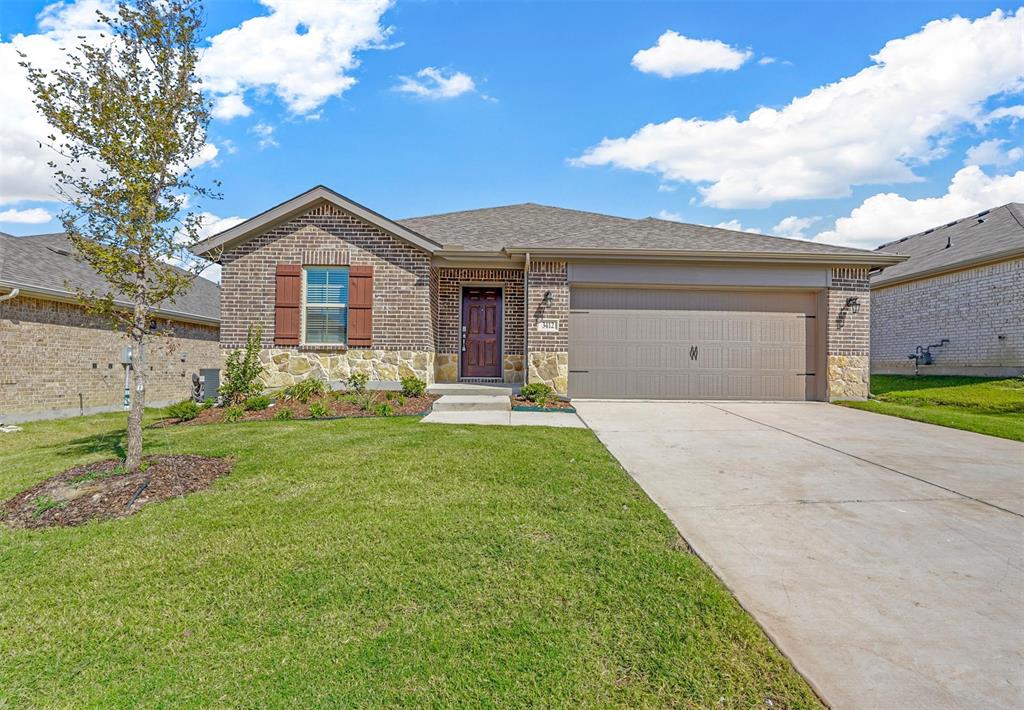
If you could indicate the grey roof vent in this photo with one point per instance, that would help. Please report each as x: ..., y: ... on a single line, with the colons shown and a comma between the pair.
x: 56, y: 250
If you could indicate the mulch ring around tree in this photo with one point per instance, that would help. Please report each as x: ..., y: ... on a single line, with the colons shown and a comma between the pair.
x: 101, y: 491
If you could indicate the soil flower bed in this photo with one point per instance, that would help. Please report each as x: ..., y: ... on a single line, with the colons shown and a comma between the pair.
x: 552, y: 405
x: 103, y: 491
x: 332, y: 405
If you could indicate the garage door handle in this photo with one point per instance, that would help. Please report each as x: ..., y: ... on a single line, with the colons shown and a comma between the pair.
x: 806, y: 374
x: 577, y: 371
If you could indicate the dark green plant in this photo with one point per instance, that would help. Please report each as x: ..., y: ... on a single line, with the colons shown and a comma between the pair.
x: 45, y: 503
x: 365, y: 400
x: 318, y: 410
x: 306, y: 390
x: 537, y: 392
x: 233, y: 413
x: 413, y: 386
x: 284, y: 414
x: 255, y: 404
x: 384, y: 410
x: 357, y: 381
x: 243, y: 369
x: 184, y: 410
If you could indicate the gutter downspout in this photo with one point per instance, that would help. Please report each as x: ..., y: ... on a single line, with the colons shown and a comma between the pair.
x: 526, y: 320
x: 9, y: 296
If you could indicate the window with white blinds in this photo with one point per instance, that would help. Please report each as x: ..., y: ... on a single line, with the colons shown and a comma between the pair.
x: 325, y: 312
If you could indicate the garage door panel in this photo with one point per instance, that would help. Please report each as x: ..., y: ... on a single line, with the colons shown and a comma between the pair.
x: 707, y: 352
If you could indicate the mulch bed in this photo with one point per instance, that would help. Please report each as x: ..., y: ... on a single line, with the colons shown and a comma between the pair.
x: 552, y: 405
x: 336, y: 405
x: 99, y: 491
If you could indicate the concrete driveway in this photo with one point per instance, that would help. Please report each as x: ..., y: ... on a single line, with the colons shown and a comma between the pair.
x: 884, y: 557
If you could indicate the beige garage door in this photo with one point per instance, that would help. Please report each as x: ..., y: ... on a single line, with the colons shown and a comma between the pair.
x: 637, y: 343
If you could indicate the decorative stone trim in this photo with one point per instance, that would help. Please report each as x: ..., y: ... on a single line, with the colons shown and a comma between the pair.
x: 446, y: 367
x: 286, y: 367
x: 551, y: 368
x: 512, y: 368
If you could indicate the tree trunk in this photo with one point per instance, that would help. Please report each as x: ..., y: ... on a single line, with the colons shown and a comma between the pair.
x: 133, y: 457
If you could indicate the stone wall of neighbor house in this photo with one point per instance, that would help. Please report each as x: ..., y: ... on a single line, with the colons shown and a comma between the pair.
x: 446, y: 309
x: 980, y: 311
x: 327, y: 235
x: 548, y: 323
x: 59, y: 360
x: 848, y: 336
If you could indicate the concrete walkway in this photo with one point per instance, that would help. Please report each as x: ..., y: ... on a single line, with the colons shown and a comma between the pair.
x: 885, y: 557
x: 557, y: 419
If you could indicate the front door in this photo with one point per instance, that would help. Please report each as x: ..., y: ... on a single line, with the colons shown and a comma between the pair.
x: 481, y: 331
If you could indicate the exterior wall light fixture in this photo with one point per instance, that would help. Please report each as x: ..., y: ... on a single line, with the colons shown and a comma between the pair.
x: 547, y: 300
x: 853, y: 303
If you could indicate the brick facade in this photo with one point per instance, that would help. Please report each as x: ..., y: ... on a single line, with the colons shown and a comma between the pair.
x: 848, y: 335
x: 401, y: 277
x: 979, y: 310
x: 548, y: 359
x: 61, y: 361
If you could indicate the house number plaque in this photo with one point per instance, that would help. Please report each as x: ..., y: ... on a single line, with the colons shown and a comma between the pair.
x: 547, y: 325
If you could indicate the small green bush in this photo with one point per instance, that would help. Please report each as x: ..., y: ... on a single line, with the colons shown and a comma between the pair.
x: 306, y: 390
x: 365, y: 400
x: 413, y: 386
x: 284, y: 414
x: 243, y: 369
x: 233, y: 413
x: 384, y: 410
x: 255, y: 404
x: 318, y: 410
x: 184, y: 410
x: 357, y: 381
x: 537, y: 392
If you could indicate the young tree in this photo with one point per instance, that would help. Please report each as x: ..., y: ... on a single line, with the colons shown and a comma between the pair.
x: 129, y: 122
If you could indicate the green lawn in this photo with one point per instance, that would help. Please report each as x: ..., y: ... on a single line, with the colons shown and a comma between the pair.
x: 370, y: 563
x: 984, y: 405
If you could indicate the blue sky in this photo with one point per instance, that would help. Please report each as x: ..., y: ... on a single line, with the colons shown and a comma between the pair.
x: 930, y: 134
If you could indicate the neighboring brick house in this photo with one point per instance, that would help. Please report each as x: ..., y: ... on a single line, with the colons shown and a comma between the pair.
x: 57, y: 360
x: 591, y: 304
x: 959, y: 297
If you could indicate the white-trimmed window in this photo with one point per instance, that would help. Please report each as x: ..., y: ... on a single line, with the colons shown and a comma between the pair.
x: 325, y: 305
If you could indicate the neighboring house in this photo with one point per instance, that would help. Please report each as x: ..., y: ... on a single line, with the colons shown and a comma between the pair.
x: 58, y: 360
x: 593, y: 305
x: 963, y: 283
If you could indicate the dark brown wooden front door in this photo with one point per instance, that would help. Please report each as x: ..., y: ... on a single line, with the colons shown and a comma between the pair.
x: 481, y: 332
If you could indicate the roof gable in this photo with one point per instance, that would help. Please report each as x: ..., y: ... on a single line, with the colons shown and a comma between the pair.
x: 241, y: 233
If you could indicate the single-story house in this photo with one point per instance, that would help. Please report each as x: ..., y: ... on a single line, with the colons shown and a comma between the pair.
x: 57, y: 360
x: 591, y: 304
x: 957, y: 302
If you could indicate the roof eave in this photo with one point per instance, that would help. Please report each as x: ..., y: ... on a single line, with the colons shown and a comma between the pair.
x: 860, y: 259
x: 1005, y: 255
x: 298, y: 204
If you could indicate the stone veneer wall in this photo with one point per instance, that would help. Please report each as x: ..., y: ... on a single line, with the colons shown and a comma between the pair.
x: 59, y: 360
x: 446, y: 312
x: 978, y: 310
x: 848, y: 337
x: 548, y: 359
x: 403, y: 321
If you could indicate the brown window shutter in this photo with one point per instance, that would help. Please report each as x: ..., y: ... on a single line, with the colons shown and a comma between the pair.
x: 287, y: 304
x: 360, y: 306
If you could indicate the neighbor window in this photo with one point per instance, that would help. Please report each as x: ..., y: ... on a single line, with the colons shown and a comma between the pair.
x: 325, y: 312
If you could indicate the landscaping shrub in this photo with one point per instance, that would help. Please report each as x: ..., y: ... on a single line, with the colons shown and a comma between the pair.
x: 243, y: 369
x: 365, y: 400
x: 284, y: 414
x: 318, y: 410
x: 255, y: 404
x: 233, y: 413
x: 537, y: 392
x: 413, y: 386
x: 184, y: 410
x: 384, y: 410
x: 358, y: 381
x: 306, y: 390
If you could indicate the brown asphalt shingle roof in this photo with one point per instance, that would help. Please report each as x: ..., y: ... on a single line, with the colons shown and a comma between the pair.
x: 991, y: 233
x: 541, y: 227
x: 48, y: 260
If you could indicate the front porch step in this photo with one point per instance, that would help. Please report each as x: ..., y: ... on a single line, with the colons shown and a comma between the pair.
x: 470, y: 388
x: 473, y: 403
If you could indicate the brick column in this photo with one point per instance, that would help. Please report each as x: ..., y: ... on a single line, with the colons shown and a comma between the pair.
x: 548, y: 324
x: 849, y: 334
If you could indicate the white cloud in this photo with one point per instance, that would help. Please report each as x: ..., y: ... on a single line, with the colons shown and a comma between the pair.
x: 36, y: 215
x: 302, y: 50
x: 794, y: 227
x: 210, y: 224
x: 266, y: 135
x: 670, y: 216
x: 229, y: 106
x: 431, y: 83
x: 991, y: 152
x: 888, y: 216
x: 676, y: 55
x: 869, y: 128
x: 1012, y: 112
x: 766, y: 60
x: 663, y: 187
x: 734, y: 224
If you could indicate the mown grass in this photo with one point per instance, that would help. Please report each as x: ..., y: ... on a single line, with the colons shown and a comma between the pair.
x: 984, y: 405
x: 370, y: 563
